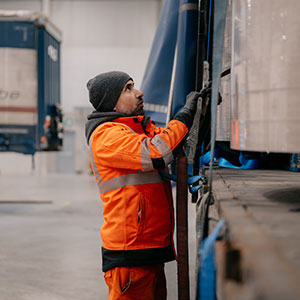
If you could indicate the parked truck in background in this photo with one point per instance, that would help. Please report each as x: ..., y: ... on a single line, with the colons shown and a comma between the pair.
x: 30, y: 112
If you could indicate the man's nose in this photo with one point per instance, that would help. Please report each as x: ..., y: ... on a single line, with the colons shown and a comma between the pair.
x: 139, y: 94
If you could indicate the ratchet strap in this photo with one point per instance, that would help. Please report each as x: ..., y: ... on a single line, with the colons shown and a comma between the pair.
x: 190, y: 180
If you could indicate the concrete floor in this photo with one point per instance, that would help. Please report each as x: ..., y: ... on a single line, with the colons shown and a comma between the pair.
x: 50, y: 241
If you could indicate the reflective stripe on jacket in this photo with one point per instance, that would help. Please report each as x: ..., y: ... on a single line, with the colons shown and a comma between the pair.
x: 138, y: 206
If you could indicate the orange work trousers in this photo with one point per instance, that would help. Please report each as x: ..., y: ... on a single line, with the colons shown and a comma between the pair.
x: 136, y: 283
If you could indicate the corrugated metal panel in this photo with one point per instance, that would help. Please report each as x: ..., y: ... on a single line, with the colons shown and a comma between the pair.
x: 266, y: 76
x: 48, y: 75
x: 32, y: 17
x: 17, y: 34
x: 18, y: 138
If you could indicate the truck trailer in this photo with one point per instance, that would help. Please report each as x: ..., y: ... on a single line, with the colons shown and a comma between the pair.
x: 30, y: 112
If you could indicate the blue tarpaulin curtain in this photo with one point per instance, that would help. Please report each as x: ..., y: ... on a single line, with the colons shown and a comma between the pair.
x: 177, y: 28
x: 158, y: 73
x: 185, y: 72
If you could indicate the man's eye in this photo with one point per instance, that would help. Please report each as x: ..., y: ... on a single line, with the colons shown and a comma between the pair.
x: 128, y: 88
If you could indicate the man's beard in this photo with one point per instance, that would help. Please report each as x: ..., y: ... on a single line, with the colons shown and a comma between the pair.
x: 139, y: 111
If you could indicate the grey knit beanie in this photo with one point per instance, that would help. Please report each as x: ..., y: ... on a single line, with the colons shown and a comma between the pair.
x: 105, y: 89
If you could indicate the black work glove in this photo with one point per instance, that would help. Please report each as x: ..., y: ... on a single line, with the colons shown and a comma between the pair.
x: 186, y: 114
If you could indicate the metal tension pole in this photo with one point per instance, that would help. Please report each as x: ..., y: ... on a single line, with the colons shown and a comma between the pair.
x: 182, y: 228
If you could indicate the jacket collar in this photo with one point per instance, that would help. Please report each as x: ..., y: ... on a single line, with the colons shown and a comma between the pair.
x: 133, y: 122
x: 139, y: 124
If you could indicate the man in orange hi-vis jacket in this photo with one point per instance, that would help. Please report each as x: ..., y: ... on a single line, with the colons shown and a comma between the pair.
x: 126, y: 150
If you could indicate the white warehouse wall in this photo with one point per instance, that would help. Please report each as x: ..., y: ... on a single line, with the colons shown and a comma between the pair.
x: 101, y: 36
x: 97, y: 36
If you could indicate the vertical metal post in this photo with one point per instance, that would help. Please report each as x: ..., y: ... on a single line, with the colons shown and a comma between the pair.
x: 182, y: 228
x: 46, y: 7
x: 202, y: 45
x: 32, y: 162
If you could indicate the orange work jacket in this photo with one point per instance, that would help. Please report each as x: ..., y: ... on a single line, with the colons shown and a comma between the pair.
x: 138, y: 205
